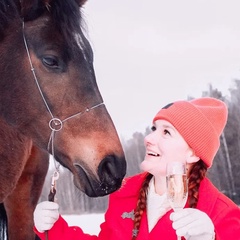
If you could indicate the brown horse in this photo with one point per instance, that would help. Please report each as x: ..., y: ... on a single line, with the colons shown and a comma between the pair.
x: 50, y: 104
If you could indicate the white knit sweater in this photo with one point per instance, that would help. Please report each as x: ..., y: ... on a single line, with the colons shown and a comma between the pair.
x: 157, y: 206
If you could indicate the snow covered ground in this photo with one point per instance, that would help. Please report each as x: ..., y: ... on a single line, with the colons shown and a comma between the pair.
x: 90, y: 223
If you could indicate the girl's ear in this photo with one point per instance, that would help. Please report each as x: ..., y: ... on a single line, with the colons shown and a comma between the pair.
x: 192, y: 158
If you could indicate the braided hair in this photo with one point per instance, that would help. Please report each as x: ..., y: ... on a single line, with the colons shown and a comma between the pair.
x: 195, y: 176
x: 141, y: 206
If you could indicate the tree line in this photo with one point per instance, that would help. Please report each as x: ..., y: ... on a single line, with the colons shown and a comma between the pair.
x: 224, y: 172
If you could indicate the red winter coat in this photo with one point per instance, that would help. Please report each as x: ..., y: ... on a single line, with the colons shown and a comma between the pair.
x: 118, y: 223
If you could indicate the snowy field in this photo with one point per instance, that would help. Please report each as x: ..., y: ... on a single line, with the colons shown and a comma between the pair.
x: 90, y: 223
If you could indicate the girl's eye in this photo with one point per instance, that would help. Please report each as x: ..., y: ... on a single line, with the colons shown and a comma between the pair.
x: 153, y: 128
x: 166, y: 132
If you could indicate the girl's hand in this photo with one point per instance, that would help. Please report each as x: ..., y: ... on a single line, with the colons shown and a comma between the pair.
x: 193, y: 224
x: 45, y: 215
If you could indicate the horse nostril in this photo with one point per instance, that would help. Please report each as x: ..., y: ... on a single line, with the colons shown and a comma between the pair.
x: 111, y: 171
x: 107, y: 172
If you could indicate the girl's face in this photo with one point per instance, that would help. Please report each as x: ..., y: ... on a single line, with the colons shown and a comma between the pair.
x: 164, y: 145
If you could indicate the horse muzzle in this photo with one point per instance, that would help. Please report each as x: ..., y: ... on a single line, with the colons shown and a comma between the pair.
x: 110, y: 174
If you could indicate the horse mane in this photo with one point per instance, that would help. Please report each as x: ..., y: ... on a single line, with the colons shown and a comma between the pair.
x: 65, y: 14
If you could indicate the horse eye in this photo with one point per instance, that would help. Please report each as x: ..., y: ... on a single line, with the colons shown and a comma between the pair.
x: 50, y: 62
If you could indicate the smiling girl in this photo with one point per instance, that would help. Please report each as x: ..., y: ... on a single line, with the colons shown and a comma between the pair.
x: 183, y: 131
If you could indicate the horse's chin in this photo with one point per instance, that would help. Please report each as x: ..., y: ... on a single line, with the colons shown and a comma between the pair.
x: 91, y: 186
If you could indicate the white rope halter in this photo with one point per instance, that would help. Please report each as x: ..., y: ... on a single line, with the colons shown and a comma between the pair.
x: 55, y: 124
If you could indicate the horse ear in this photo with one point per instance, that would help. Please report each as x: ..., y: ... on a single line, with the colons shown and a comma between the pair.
x: 31, y: 9
x: 47, y: 2
x: 81, y: 2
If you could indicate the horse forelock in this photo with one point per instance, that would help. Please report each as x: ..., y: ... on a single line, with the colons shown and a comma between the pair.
x: 8, y: 12
x: 65, y: 15
x: 67, y: 18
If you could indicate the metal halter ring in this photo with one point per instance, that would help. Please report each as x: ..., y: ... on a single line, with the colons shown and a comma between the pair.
x: 55, y: 124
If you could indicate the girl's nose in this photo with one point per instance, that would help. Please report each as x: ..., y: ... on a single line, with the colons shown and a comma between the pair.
x: 148, y: 139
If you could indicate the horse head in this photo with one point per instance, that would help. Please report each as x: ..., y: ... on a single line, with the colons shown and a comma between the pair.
x: 49, y: 91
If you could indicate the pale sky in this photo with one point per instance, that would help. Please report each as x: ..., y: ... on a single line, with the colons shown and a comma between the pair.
x: 150, y: 53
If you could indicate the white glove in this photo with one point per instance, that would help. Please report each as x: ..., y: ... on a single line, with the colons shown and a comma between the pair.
x: 193, y: 224
x: 45, y: 215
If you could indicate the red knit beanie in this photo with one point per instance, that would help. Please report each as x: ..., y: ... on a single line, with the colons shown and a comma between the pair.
x: 200, y: 122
